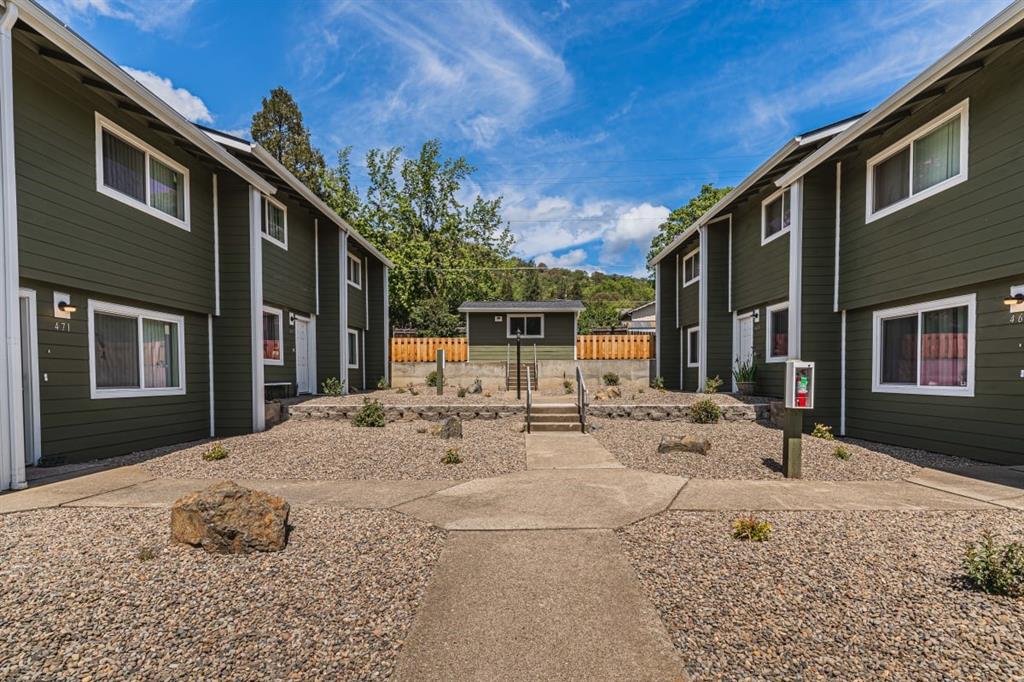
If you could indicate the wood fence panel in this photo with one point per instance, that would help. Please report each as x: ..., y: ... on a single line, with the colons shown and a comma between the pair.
x: 615, y: 346
x: 416, y: 349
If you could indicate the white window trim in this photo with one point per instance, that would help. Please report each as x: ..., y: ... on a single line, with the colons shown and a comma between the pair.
x: 969, y: 300
x: 348, y: 272
x: 695, y: 254
x: 768, y: 357
x: 764, y: 223
x: 265, y: 218
x: 508, y: 325
x: 280, y: 331
x: 138, y: 313
x: 353, y: 332
x: 962, y: 109
x: 104, y: 123
x: 689, y: 340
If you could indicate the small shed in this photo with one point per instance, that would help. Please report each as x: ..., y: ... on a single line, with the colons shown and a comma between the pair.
x: 640, y: 320
x: 547, y: 329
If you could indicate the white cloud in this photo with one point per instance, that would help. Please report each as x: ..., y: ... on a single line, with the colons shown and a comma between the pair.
x: 569, y: 259
x: 633, y: 227
x: 183, y: 101
x: 147, y: 15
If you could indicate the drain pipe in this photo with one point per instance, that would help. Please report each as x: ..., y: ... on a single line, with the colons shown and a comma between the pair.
x: 12, y: 424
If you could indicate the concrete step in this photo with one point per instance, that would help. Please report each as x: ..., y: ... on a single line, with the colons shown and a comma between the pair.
x: 548, y: 427
x: 554, y: 408
x: 554, y: 418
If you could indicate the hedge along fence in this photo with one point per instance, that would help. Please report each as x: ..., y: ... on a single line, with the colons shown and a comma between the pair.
x: 414, y: 349
x: 615, y: 347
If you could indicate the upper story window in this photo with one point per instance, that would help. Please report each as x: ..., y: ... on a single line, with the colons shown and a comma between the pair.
x: 777, y: 339
x: 274, y: 224
x: 775, y: 215
x: 355, y: 271
x: 929, y: 160
x: 527, y: 326
x: 133, y: 172
x: 691, y: 267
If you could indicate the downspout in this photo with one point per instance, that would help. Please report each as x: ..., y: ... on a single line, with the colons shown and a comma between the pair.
x: 343, y: 307
x: 796, y: 242
x: 12, y: 423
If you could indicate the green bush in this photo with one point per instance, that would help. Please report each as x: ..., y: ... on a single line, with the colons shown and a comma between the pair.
x: 370, y: 414
x: 712, y: 384
x: 995, y: 568
x: 332, y: 386
x: 461, y: 392
x: 658, y: 383
x: 751, y: 528
x: 842, y: 453
x: 568, y: 386
x: 822, y: 431
x: 383, y: 384
x: 216, y: 453
x: 432, y: 378
x: 451, y: 456
x: 705, y: 411
x: 610, y: 379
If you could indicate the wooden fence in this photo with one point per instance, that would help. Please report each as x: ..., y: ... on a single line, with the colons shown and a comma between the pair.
x: 615, y: 346
x: 416, y: 349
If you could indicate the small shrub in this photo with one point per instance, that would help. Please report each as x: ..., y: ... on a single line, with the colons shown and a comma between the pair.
x: 146, y: 554
x: 451, y: 456
x: 842, y: 453
x: 432, y: 378
x: 332, y: 386
x: 751, y: 528
x: 383, y: 384
x: 216, y: 453
x: 370, y: 414
x: 744, y: 371
x: 658, y: 383
x: 705, y: 411
x: 461, y: 392
x: 712, y: 384
x: 610, y: 379
x: 568, y: 386
x: 995, y: 568
x: 421, y: 429
x: 822, y: 431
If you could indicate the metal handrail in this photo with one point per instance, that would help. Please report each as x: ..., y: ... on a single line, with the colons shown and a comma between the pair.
x: 529, y: 402
x: 582, y: 398
x: 508, y: 356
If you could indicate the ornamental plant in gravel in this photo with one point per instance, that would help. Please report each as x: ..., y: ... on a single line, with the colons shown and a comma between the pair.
x: 842, y: 453
x: 216, y: 453
x: 712, y: 384
x: 331, y: 386
x: 461, y: 392
x: 370, y: 414
x: 451, y: 456
x: 658, y: 383
x: 383, y: 384
x: 822, y: 431
x: 432, y: 378
x: 611, y: 379
x: 994, y: 568
x: 751, y: 528
x: 705, y: 411
x: 567, y: 385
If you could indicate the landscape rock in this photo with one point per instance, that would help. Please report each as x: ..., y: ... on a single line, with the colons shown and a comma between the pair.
x: 451, y: 428
x: 701, y: 446
x: 477, y: 387
x: 229, y: 519
x: 613, y: 392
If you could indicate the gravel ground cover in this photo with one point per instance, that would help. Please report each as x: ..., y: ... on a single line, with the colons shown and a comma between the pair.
x: 337, y: 603
x: 336, y: 450
x: 753, y: 450
x: 832, y: 595
x: 428, y: 396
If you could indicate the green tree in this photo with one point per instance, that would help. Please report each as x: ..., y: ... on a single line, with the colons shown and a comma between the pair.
x: 279, y: 128
x: 433, y: 317
x: 684, y: 216
x: 340, y: 192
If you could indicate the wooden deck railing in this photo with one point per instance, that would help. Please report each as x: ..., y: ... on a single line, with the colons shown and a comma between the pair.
x: 615, y: 347
x: 416, y: 349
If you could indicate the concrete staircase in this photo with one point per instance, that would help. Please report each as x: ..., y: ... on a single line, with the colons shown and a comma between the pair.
x: 510, y: 379
x: 555, y: 417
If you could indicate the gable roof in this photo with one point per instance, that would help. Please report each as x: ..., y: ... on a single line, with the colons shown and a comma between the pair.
x: 522, y: 307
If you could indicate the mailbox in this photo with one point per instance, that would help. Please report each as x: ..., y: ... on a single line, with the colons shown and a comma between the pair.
x: 799, y: 385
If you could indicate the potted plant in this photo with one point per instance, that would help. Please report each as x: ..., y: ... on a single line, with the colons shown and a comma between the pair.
x: 744, y: 373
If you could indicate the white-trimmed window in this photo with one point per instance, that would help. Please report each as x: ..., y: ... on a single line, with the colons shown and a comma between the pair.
x: 135, y: 173
x: 777, y: 332
x: 691, y: 267
x: 355, y: 271
x: 925, y: 162
x: 775, y: 215
x: 135, y: 352
x: 693, y: 347
x: 273, y: 336
x: 274, y: 224
x: 527, y: 326
x: 353, y: 348
x: 925, y: 348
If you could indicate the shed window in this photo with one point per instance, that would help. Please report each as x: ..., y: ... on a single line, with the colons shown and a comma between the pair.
x: 691, y: 267
x: 134, y: 352
x: 355, y: 271
x: 926, y: 348
x: 131, y: 171
x: 528, y: 326
x: 775, y: 215
x: 273, y: 336
x: 929, y: 160
x: 778, y: 332
x: 275, y: 222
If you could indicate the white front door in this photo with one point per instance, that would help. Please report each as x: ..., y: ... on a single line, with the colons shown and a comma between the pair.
x: 743, y: 342
x: 302, y: 355
x: 29, y: 374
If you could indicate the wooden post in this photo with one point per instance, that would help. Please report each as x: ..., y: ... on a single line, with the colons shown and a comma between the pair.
x: 792, y: 431
x: 440, y: 371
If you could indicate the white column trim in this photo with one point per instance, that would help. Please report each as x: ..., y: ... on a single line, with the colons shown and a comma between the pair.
x: 658, y: 294
x: 216, y: 249
x: 842, y: 376
x: 311, y: 353
x: 387, y: 328
x: 839, y: 190
x: 256, y: 310
x: 316, y: 264
x: 796, y: 267
x: 209, y: 369
x: 729, y: 266
x: 343, y: 308
x: 702, y: 317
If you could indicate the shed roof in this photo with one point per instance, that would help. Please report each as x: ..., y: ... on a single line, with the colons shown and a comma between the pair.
x: 521, y: 307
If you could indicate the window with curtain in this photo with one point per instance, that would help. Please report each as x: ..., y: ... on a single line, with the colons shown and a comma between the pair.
x: 124, y: 167
x: 775, y: 216
x: 928, y: 160
x: 691, y: 268
x: 166, y: 189
x: 899, y: 350
x: 778, y: 333
x: 135, y: 351
x: 525, y: 325
x: 275, y: 223
x: 273, y: 336
x: 926, y: 346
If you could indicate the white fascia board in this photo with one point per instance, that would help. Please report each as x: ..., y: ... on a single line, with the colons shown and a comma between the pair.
x: 967, y: 48
x: 273, y: 164
x: 63, y: 37
x: 521, y: 311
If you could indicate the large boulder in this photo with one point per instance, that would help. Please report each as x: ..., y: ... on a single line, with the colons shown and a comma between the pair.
x: 477, y: 387
x: 701, y: 446
x: 229, y: 519
x: 451, y: 428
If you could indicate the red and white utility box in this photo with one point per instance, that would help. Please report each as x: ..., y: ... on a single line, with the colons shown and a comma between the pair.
x: 799, y: 385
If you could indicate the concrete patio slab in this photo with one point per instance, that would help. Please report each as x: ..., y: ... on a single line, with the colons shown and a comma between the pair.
x: 567, y: 451
x: 982, y: 482
x: 552, y: 498
x: 713, y: 495
x: 163, y: 492
x: 541, y: 605
x: 71, y: 489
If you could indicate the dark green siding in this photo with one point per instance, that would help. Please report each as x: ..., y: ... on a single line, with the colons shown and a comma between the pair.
x: 328, y: 331
x: 689, y: 313
x: 966, y: 234
x: 356, y: 295
x: 77, y: 428
x: 488, y: 339
x: 821, y: 329
x: 760, y: 273
x: 669, y: 342
x: 232, y: 329
x: 377, y: 337
x: 987, y: 426
x: 719, y: 317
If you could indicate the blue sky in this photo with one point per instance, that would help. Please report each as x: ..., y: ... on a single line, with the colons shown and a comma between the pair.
x: 591, y: 119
